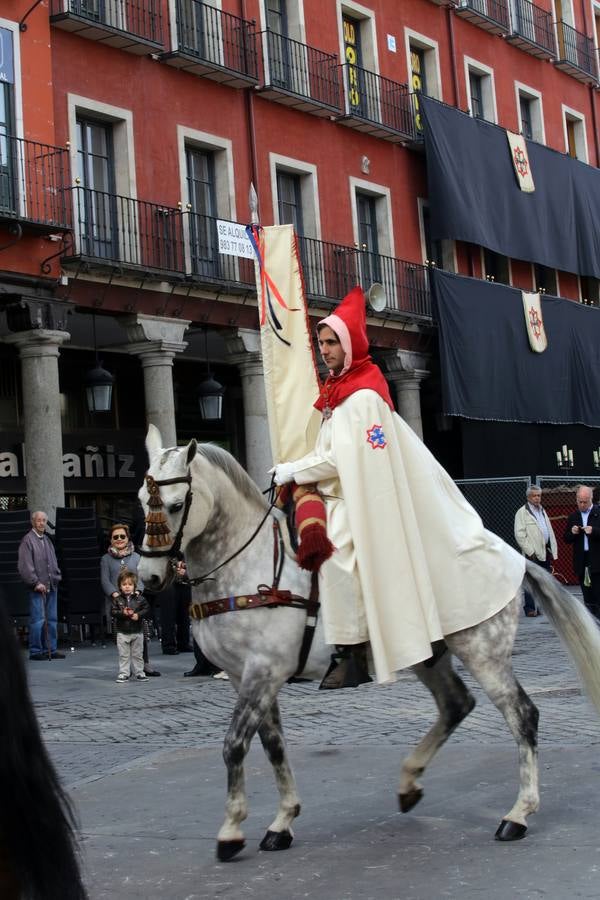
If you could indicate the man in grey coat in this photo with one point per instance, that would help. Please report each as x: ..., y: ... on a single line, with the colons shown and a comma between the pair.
x: 39, y: 570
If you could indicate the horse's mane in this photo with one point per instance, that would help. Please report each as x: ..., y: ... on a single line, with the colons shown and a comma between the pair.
x: 223, y: 460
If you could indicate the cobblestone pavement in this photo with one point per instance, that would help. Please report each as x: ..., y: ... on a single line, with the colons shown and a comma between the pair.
x: 90, y: 724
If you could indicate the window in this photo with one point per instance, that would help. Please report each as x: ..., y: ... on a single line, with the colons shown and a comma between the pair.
x: 96, y: 206
x: 544, y: 279
x: 480, y: 89
x: 289, y: 200
x: 496, y: 267
x: 476, y: 91
x: 439, y: 252
x: 9, y: 148
x: 575, y: 137
x: 529, y: 108
x: 525, y: 112
x: 200, y: 176
x: 590, y: 290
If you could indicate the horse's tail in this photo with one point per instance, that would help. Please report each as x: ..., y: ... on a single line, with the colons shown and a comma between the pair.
x: 575, y: 626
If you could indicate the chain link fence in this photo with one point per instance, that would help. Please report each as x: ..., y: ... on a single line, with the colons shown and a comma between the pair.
x: 497, y: 500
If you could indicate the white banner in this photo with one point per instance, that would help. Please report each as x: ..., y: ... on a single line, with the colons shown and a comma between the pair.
x: 520, y: 161
x: 233, y: 240
x: 536, y: 333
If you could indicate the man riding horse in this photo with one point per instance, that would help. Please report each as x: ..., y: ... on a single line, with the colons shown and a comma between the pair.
x: 412, y: 557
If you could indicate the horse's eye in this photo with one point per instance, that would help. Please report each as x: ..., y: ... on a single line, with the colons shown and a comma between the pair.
x: 176, y: 507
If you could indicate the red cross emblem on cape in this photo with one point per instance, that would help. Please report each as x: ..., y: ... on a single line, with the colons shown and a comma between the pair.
x: 376, y: 437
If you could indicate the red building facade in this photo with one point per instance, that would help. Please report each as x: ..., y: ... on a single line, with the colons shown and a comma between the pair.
x: 129, y: 129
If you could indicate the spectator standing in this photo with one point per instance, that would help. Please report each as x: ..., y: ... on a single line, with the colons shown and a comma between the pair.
x: 535, y: 536
x: 582, y: 531
x: 129, y: 608
x: 39, y: 570
x: 121, y: 555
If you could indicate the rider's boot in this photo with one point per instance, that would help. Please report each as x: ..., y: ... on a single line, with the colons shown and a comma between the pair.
x: 348, y: 668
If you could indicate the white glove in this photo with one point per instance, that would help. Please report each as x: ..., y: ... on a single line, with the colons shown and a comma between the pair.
x: 283, y: 472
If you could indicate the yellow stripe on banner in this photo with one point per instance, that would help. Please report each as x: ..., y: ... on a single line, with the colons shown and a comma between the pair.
x: 292, y: 382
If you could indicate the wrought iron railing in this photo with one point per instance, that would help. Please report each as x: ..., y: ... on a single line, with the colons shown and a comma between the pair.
x: 32, y: 180
x: 216, y: 37
x: 331, y: 270
x: 576, y: 48
x: 378, y: 100
x: 204, y: 262
x: 142, y: 18
x: 125, y: 232
x: 303, y: 70
x: 495, y: 10
x: 534, y: 24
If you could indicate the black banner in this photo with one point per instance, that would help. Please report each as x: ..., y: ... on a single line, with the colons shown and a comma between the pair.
x: 490, y: 372
x: 474, y: 195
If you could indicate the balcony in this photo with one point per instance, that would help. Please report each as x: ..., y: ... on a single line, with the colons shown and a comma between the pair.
x: 532, y: 30
x: 32, y: 179
x: 576, y: 54
x: 491, y: 15
x: 331, y: 270
x: 134, y: 235
x: 378, y: 106
x: 214, y: 45
x: 132, y: 25
x: 300, y: 76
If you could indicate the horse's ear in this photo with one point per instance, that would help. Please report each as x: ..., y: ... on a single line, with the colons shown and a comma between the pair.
x: 192, y: 448
x: 153, y: 441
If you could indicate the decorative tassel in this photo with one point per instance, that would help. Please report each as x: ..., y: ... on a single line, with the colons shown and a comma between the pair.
x: 315, y: 548
x: 157, y: 528
x: 310, y: 519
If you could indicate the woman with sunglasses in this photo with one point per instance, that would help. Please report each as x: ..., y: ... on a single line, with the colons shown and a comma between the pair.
x: 121, y: 555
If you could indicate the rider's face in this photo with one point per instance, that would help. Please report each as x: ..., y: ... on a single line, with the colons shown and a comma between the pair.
x: 332, y: 352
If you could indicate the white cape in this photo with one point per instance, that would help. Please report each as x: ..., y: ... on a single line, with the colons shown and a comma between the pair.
x: 420, y: 565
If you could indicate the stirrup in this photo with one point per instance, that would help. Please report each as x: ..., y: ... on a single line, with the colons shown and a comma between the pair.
x: 347, y: 669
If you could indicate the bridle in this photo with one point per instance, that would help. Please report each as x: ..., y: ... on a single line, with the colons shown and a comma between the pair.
x: 157, y: 530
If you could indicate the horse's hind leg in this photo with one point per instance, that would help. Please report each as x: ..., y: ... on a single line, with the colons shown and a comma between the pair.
x: 279, y: 835
x: 454, y: 703
x: 486, y: 651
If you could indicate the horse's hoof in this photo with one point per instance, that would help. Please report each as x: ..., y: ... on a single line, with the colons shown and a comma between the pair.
x: 410, y: 799
x: 510, y: 831
x: 276, y: 840
x: 226, y: 850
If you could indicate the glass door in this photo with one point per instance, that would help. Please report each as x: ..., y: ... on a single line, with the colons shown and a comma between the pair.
x: 96, y: 206
x: 202, y: 199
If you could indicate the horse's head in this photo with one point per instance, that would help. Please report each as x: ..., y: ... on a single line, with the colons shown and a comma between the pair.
x: 166, y: 498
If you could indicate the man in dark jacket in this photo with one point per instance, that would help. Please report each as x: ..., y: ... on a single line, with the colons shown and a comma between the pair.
x: 582, y: 531
x: 39, y: 570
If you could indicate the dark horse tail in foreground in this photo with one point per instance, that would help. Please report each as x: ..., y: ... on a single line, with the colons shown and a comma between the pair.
x: 38, y: 855
x: 203, y: 502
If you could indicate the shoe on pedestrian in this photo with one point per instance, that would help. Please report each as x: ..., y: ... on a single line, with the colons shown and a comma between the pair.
x: 121, y: 679
x: 38, y: 656
x: 170, y: 651
x: 532, y: 613
x: 141, y: 677
x: 58, y: 655
x: 186, y: 648
x: 152, y: 673
x: 198, y: 672
x: 221, y: 676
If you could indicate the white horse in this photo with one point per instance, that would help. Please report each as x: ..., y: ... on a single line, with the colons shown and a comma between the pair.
x: 211, y: 510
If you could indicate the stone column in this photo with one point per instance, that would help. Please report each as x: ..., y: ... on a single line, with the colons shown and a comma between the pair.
x: 407, y: 386
x: 39, y: 350
x: 243, y: 347
x: 156, y: 340
x: 405, y: 370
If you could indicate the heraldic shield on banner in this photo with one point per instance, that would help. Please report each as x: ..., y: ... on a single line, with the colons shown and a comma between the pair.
x: 520, y: 161
x: 532, y: 307
x: 291, y: 377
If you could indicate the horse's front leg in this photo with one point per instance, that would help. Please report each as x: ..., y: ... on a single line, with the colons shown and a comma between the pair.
x: 279, y: 835
x: 255, y: 698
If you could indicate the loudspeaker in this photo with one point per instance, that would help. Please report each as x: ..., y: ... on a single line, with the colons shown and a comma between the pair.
x: 376, y: 297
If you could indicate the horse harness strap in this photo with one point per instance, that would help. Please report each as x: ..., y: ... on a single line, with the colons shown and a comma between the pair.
x: 265, y: 596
